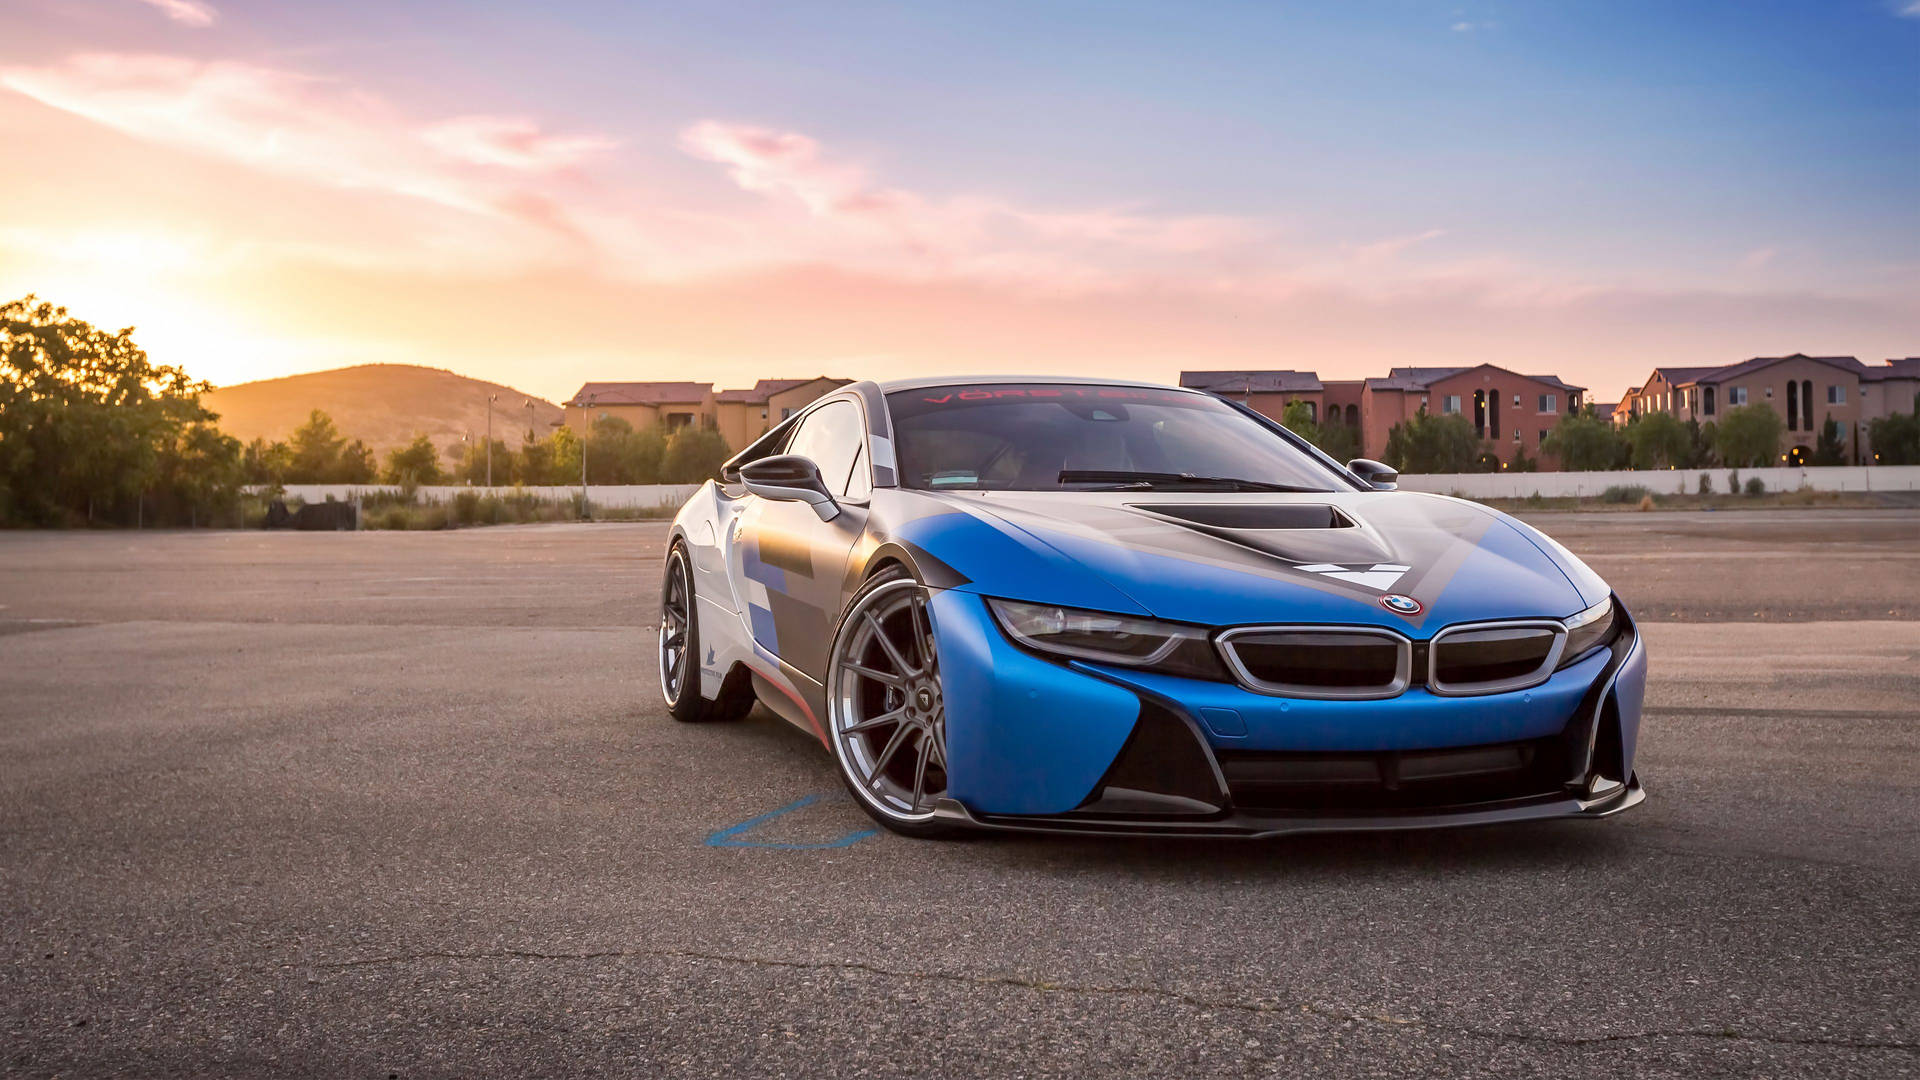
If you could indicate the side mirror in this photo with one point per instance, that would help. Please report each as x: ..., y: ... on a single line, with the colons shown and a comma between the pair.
x: 1375, y: 475
x: 790, y: 478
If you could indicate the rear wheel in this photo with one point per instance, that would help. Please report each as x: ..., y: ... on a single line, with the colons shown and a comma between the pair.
x: 680, y: 651
x: 889, y: 725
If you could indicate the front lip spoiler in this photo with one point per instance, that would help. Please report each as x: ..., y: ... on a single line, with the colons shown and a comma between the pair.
x: 1254, y: 826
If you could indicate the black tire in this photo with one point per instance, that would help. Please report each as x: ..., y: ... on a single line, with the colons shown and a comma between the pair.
x: 681, y: 690
x: 928, y: 726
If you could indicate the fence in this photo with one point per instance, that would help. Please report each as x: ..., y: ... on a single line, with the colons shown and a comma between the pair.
x: 1500, y: 485
x: 1512, y: 485
x: 609, y: 495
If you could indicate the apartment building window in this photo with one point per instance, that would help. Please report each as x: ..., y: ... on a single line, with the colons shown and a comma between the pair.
x: 784, y: 413
x: 1543, y: 436
x: 1736, y: 395
x: 1793, y: 406
x: 1707, y: 406
x: 1450, y: 405
x: 1516, y: 434
x: 1516, y: 401
x: 1548, y: 403
x: 1836, y: 395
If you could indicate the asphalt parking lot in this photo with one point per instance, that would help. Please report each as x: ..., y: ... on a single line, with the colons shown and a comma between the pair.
x: 405, y: 805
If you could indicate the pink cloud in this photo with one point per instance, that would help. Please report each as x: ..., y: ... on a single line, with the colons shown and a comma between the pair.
x: 186, y: 12
x: 310, y: 128
x: 513, y: 143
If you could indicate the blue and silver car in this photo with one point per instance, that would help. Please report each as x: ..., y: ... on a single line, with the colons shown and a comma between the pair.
x: 1100, y: 607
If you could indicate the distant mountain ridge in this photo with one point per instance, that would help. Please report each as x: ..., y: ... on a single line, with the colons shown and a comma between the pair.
x: 385, y: 405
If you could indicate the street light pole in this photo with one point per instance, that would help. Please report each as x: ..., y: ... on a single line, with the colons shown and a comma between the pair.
x: 586, y: 508
x: 491, y: 398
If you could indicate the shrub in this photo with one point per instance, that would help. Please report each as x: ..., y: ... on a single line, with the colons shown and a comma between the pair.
x: 1733, y: 481
x: 1756, y: 486
x: 1706, y: 484
x: 395, y: 517
x: 1624, y: 493
x: 1646, y: 502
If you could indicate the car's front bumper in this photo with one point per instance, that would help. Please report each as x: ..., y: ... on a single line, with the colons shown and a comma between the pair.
x: 1072, y: 747
x: 1256, y: 825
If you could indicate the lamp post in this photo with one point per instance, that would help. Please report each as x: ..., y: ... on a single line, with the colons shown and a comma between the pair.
x: 491, y: 398
x: 586, y: 508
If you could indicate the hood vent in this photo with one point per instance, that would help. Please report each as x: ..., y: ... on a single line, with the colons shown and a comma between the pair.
x: 1296, y: 532
x: 1239, y: 516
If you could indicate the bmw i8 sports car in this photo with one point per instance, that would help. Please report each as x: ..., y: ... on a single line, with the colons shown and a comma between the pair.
x: 1073, y: 605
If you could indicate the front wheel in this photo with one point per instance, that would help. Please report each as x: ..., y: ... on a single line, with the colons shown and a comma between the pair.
x: 680, y: 650
x: 884, y: 703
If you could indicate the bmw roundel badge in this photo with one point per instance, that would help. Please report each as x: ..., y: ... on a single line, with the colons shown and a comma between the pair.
x: 1401, y: 605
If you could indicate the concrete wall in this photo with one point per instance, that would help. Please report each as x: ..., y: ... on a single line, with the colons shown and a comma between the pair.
x: 1477, y: 485
x: 1510, y: 485
x: 600, y: 494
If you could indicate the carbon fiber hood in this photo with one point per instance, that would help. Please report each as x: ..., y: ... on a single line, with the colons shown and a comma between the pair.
x: 1232, y: 559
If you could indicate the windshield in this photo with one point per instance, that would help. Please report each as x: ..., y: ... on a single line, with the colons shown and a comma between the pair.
x: 1039, y: 437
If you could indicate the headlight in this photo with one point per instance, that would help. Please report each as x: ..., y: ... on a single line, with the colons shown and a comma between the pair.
x: 1592, y: 627
x: 1112, y: 639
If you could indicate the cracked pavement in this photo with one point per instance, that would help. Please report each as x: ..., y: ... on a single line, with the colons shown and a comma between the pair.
x: 404, y: 805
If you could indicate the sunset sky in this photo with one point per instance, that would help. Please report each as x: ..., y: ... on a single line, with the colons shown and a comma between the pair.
x: 545, y: 194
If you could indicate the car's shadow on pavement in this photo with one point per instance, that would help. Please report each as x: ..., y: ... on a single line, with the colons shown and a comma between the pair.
x: 1532, y: 846
x: 1527, y: 845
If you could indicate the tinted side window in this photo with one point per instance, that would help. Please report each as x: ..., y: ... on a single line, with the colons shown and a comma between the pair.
x: 832, y: 437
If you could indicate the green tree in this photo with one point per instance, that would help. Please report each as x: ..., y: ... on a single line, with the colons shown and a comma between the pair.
x: 1432, y: 444
x: 1339, y: 442
x: 617, y: 454
x: 315, y: 450
x: 1749, y: 436
x: 86, y: 418
x: 199, y: 476
x: 415, y: 463
x: 1583, y: 442
x: 1660, y: 440
x: 264, y: 463
x: 1829, y: 448
x: 356, y: 464
x: 693, y: 454
x: 1896, y: 439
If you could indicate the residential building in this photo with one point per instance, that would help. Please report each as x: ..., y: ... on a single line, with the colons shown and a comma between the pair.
x: 1266, y: 392
x: 1805, y: 390
x: 1885, y: 390
x: 642, y: 404
x: 1511, y: 412
x: 739, y: 415
x: 745, y: 415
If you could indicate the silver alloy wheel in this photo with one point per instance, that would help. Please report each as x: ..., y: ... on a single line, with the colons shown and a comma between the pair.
x: 889, y: 718
x: 676, y: 611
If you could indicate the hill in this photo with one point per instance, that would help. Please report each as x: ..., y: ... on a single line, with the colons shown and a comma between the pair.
x: 384, y: 404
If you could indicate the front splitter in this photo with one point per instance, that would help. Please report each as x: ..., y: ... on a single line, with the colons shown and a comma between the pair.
x: 1251, y: 826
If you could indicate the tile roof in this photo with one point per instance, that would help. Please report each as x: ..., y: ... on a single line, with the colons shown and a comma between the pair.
x: 1251, y: 382
x: 642, y: 393
x: 1681, y: 376
x: 1421, y: 378
x: 1734, y: 371
x: 1903, y: 368
x: 1604, y: 411
x: 763, y: 389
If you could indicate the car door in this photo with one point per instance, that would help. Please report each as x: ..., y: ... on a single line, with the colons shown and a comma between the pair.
x: 791, y: 566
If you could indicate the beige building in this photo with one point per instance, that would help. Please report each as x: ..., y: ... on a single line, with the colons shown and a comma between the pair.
x: 1806, y: 391
x: 745, y: 415
x: 739, y: 415
x: 1511, y: 413
x: 642, y: 404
